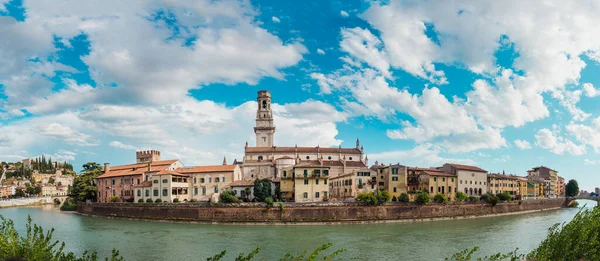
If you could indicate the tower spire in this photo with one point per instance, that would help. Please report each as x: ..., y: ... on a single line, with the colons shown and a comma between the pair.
x: 264, y: 128
x: 224, y: 160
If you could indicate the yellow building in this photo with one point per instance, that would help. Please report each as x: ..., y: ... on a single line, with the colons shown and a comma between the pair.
x: 392, y: 178
x: 439, y: 183
x: 309, y: 183
x: 530, y: 189
x: 500, y: 183
x: 347, y: 186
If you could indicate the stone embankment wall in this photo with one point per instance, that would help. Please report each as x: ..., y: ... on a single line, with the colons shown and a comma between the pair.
x: 25, y: 202
x: 294, y: 213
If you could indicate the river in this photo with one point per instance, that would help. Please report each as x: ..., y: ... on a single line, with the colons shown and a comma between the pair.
x: 138, y: 240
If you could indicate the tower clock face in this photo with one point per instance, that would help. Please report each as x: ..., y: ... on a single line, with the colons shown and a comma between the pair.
x: 264, y: 104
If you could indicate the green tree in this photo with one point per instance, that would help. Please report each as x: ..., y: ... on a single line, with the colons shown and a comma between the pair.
x: 461, y: 196
x: 262, y: 189
x: 19, y: 193
x: 572, y: 188
x: 51, y: 181
x: 84, y: 185
x: 422, y: 198
x: 91, y: 166
x: 367, y: 197
x: 504, y: 196
x: 383, y: 196
x: 403, y: 198
x: 440, y: 198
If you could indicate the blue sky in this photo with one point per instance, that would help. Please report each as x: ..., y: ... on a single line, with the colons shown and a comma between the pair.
x: 503, y: 85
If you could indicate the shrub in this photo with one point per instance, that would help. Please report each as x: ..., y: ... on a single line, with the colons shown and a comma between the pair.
x: 193, y: 200
x: 486, y: 197
x: 573, y: 204
x: 281, y: 207
x: 269, y: 201
x: 158, y: 200
x: 394, y: 199
x: 383, y: 196
x: 440, y: 198
x: 490, y: 198
x: 228, y: 197
x: 114, y: 199
x: 473, y: 199
x: 140, y: 200
x: 149, y: 200
x: 176, y: 200
x: 461, y: 196
x: 367, y: 197
x: 130, y: 200
x: 69, y: 205
x: 403, y: 198
x: 493, y: 200
x: 504, y: 196
x: 422, y: 198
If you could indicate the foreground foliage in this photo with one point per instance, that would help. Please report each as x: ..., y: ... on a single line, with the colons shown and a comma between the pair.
x: 374, y: 198
x: 313, y: 256
x: 576, y: 240
x: 37, y: 245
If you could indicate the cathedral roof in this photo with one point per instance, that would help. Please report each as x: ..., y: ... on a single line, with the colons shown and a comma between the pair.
x: 203, y: 169
x: 302, y: 150
x: 136, y: 169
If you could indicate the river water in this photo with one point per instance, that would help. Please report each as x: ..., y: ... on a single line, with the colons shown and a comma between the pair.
x: 138, y: 240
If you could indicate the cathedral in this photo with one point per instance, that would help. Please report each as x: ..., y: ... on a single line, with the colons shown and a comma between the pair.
x: 266, y: 160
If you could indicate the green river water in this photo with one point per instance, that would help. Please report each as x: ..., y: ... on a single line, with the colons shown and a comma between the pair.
x: 138, y: 240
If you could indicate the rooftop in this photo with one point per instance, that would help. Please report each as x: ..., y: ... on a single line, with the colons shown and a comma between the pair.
x: 466, y: 167
x: 205, y: 169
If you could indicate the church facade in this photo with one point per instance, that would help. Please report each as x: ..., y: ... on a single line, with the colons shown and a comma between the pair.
x: 265, y: 160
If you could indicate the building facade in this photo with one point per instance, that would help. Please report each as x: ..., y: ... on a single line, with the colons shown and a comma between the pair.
x: 209, y: 181
x: 542, y: 172
x: 305, y: 183
x: 500, y: 183
x: 472, y: 180
x: 166, y: 185
x: 392, y: 178
x: 347, y: 186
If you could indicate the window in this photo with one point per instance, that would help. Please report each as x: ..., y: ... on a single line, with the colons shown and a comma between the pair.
x: 434, y: 179
x: 155, y: 192
x: 210, y: 180
x: 155, y: 181
x: 203, y: 191
x: 431, y: 189
x: 138, y: 181
x: 317, y: 172
x: 223, y: 180
x: 307, y: 157
x: 471, y: 182
x: 394, y: 171
x: 113, y: 182
x: 325, y: 182
x: 452, y: 179
x: 201, y: 180
x: 147, y: 193
x: 260, y: 157
x: 165, y: 192
x: 443, y: 179
x: 114, y: 193
x: 165, y: 180
x: 394, y: 189
x: 350, y: 158
x: 284, y: 173
x: 305, y: 195
x: 325, y: 172
x: 461, y: 182
x: 305, y: 173
x: 324, y: 193
x: 194, y: 179
x: 216, y: 189
x: 317, y: 195
x: 139, y: 192
x: 329, y: 158
x: 439, y: 189
x: 317, y: 181
x: 195, y: 191
x: 394, y: 178
x: 216, y: 179
x: 306, y: 182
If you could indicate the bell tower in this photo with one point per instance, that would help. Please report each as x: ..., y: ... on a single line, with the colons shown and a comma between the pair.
x: 264, y: 120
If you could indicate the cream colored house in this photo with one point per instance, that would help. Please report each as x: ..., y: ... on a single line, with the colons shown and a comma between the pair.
x: 472, y: 180
x: 48, y: 190
x: 208, y: 181
x: 165, y: 185
x: 347, y: 186
x: 392, y: 178
x: 309, y: 183
x: 500, y: 183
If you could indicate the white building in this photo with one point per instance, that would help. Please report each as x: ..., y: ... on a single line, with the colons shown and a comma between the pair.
x: 472, y: 180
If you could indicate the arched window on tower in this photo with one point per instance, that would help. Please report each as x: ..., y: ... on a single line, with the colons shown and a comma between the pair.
x: 260, y: 157
x: 264, y: 104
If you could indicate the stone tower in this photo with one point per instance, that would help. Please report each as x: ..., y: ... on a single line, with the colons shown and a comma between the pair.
x: 147, y: 156
x: 264, y: 121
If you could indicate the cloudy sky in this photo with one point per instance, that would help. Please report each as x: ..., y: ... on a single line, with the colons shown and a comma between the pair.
x: 505, y: 85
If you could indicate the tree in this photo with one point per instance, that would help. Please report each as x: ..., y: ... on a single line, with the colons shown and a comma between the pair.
x: 461, y: 196
x: 91, y: 166
x: 228, y: 197
x: 383, y: 196
x: 84, y: 185
x: 403, y: 198
x: 262, y: 189
x: 51, y: 181
x: 368, y: 198
x: 422, y: 198
x: 440, y: 198
x: 572, y: 188
x: 504, y: 196
x: 19, y: 193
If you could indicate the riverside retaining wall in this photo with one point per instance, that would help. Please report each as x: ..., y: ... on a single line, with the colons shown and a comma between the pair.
x: 305, y: 214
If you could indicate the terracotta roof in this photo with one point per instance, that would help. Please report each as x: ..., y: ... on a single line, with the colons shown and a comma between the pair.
x: 285, y: 157
x: 204, y: 169
x: 136, y: 169
x: 309, y: 165
x: 466, y: 167
x: 501, y: 176
x: 438, y: 174
x: 355, y: 164
x: 542, y: 167
x: 302, y: 150
x: 242, y: 183
x: 332, y: 163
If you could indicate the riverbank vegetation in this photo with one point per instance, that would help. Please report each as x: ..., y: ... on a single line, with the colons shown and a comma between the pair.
x: 374, y: 198
x: 576, y: 240
x: 84, y: 186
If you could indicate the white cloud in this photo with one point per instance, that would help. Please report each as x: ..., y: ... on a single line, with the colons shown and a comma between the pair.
x: 131, y: 51
x: 591, y: 162
x: 118, y: 144
x: 423, y: 155
x: 590, y: 91
x: 62, y: 155
x: 275, y: 19
x: 343, y: 13
x: 320, y: 51
x: 363, y: 45
x: 546, y: 139
x: 523, y: 144
x: 66, y: 133
x: 589, y: 135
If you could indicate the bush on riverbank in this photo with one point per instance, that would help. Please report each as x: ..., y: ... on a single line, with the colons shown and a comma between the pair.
x: 228, y: 197
x: 114, y: 199
x: 69, y: 205
x: 573, y: 204
x: 404, y: 198
x: 440, y: 198
x: 461, y: 196
x: 374, y: 198
x: 422, y: 198
x: 37, y: 245
x: 149, y: 200
x: 576, y: 240
x: 504, y: 196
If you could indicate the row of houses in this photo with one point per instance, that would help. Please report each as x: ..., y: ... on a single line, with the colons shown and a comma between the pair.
x: 151, y: 178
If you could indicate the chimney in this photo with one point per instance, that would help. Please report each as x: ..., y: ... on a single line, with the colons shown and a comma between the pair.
x: 149, y: 165
x: 106, y: 167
